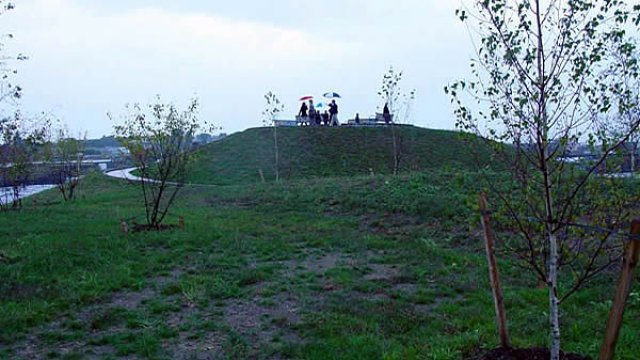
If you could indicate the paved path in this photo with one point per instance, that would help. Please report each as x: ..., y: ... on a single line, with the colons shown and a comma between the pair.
x: 6, y: 193
x: 124, y: 174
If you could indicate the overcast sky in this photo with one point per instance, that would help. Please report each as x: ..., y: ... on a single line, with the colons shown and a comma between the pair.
x: 90, y: 57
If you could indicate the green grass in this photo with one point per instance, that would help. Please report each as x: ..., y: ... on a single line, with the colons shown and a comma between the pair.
x: 324, y: 268
x: 333, y: 152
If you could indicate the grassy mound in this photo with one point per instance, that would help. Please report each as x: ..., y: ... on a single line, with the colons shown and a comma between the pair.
x: 329, y: 152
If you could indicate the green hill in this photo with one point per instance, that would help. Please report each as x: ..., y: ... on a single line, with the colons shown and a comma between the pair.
x: 321, y: 152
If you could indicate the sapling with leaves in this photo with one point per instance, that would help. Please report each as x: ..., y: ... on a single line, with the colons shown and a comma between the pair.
x: 22, y: 141
x: 546, y: 78
x: 158, y: 140
x: 400, y: 105
x: 66, y: 162
x: 390, y: 90
x: 626, y: 121
x: 272, y: 109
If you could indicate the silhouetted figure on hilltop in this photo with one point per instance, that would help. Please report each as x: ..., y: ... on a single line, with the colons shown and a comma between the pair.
x: 333, y: 112
x: 303, y: 110
x: 312, y: 113
x: 386, y: 114
x: 325, y: 118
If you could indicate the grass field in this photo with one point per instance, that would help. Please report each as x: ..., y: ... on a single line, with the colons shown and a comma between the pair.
x: 337, y: 268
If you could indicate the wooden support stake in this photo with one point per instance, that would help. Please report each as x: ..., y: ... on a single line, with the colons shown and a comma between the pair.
x: 631, y: 254
x: 494, y: 275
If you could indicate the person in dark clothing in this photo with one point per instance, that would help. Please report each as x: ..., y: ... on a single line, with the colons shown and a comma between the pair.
x: 333, y: 112
x: 311, y: 106
x: 312, y: 113
x: 386, y: 114
x: 318, y: 118
x: 303, y: 110
x: 357, y: 120
x: 325, y: 118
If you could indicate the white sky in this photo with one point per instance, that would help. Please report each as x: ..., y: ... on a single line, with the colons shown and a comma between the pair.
x: 90, y: 57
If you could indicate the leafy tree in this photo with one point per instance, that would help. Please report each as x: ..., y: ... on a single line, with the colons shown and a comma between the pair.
x: 547, y: 77
x: 22, y: 143
x: 66, y: 163
x: 627, y: 120
x: 400, y: 106
x: 390, y: 90
x: 158, y: 139
x: 21, y: 139
x: 272, y: 109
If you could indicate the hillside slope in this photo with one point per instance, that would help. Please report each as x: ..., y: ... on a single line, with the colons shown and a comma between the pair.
x: 321, y: 152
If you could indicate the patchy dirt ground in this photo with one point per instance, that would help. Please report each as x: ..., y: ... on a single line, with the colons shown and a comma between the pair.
x: 266, y: 314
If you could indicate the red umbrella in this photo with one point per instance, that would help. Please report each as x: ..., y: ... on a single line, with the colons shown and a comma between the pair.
x: 305, y: 98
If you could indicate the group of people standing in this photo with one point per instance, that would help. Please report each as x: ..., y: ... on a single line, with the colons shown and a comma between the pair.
x: 309, y: 115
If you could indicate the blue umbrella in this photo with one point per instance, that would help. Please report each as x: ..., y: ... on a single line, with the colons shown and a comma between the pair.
x: 319, y: 105
x: 332, y: 95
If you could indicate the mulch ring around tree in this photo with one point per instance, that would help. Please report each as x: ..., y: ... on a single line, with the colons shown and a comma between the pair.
x: 524, y: 354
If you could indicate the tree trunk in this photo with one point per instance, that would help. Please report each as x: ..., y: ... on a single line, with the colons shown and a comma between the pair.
x: 396, y: 151
x: 145, y: 193
x: 275, y: 146
x: 634, y: 147
x: 17, y: 202
x: 553, y: 297
x: 550, y: 221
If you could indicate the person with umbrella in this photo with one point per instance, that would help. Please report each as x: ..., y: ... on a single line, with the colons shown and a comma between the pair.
x: 333, y: 113
x: 333, y: 108
x: 303, y: 110
x: 301, y: 118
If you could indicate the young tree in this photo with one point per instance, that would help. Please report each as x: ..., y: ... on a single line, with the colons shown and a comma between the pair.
x: 400, y: 106
x: 628, y: 119
x: 545, y: 79
x: 158, y: 139
x: 273, y: 108
x: 22, y: 143
x: 390, y: 90
x: 66, y: 162
x: 21, y: 139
